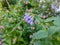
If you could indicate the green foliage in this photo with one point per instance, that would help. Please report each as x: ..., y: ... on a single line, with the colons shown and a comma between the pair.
x: 16, y: 31
x: 40, y: 34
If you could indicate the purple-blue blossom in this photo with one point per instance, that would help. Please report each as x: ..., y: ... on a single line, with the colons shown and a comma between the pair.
x: 29, y: 19
x: 56, y: 8
x: 53, y: 6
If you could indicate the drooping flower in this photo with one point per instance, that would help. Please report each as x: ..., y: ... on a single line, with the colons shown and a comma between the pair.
x: 53, y: 6
x: 29, y: 19
x: 56, y: 8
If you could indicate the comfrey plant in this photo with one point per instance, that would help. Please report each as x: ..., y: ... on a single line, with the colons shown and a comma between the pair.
x: 39, y: 26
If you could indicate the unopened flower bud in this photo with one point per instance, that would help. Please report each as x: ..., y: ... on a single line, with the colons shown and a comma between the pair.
x: 14, y: 40
x: 30, y: 36
x: 44, y: 17
x: 32, y: 28
x: 2, y: 27
x: 19, y: 27
x: 30, y: 10
x: 26, y: 3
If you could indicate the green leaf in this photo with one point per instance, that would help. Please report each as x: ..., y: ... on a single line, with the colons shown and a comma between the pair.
x: 8, y: 41
x: 40, y: 34
x: 4, y: 44
x: 56, y: 21
x: 50, y: 19
x: 38, y: 43
x: 53, y: 29
x: 39, y: 18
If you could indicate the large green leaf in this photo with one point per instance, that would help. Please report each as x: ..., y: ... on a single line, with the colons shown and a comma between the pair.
x: 50, y: 19
x: 40, y: 34
x: 56, y: 21
x: 53, y: 29
x: 4, y: 44
x: 38, y: 43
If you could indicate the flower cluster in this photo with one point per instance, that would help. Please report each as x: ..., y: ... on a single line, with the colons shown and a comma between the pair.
x: 56, y: 8
x: 29, y: 19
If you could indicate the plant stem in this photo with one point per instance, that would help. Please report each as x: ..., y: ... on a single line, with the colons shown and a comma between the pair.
x: 8, y: 3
